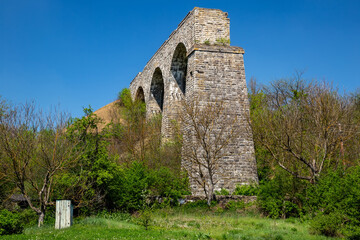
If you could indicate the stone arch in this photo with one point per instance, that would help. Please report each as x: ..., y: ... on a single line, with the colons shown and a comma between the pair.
x: 157, y: 88
x: 140, y: 96
x: 179, y: 66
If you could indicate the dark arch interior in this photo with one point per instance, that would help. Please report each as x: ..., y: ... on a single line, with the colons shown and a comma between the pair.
x: 140, y: 95
x: 157, y: 87
x: 179, y: 66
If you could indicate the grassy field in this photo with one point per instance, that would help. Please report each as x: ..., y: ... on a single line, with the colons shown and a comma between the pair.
x: 177, y: 223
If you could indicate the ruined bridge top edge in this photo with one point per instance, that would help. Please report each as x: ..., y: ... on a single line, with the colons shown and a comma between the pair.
x: 200, y: 28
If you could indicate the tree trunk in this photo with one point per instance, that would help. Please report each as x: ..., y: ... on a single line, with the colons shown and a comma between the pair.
x: 210, y: 194
x: 41, y: 219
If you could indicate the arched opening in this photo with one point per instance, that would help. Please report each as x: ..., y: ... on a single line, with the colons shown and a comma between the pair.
x: 179, y: 66
x: 157, y: 88
x: 140, y: 95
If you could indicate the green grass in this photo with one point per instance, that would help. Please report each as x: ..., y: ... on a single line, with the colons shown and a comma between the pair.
x: 177, y: 223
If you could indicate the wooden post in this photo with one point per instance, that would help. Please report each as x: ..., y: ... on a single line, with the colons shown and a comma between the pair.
x: 64, y: 214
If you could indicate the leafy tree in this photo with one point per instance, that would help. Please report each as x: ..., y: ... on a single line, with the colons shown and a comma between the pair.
x: 87, y: 182
x: 334, y: 202
x: 35, y: 149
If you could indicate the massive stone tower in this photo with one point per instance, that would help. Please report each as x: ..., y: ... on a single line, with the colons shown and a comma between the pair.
x: 197, y: 60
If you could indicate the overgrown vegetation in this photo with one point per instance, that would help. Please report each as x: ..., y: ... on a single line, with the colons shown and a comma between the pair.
x: 306, y: 141
x: 44, y: 158
x: 122, y: 177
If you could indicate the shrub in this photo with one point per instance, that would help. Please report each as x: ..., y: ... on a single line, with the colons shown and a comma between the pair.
x: 207, y: 42
x: 222, y: 192
x: 29, y: 218
x: 223, y: 41
x: 199, y: 204
x: 132, y: 186
x: 235, y: 205
x: 10, y: 223
x: 246, y: 190
x: 129, y: 189
x: 168, y: 185
x: 327, y: 224
x: 336, y: 194
x: 145, y: 218
x: 282, y: 196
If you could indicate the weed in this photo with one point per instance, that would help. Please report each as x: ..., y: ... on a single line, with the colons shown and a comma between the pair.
x: 145, y: 218
x: 223, y: 41
x: 222, y: 192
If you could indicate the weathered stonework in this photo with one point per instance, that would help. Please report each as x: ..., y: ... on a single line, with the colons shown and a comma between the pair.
x: 197, y: 60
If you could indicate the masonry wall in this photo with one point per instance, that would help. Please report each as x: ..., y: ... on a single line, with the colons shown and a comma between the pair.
x: 213, y: 71
x: 220, y: 76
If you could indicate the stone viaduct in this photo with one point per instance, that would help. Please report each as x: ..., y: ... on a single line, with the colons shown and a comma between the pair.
x: 197, y: 60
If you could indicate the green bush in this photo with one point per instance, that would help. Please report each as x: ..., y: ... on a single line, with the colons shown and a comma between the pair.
x: 10, y: 223
x: 282, y: 196
x: 222, y: 192
x: 199, y: 204
x: 235, y: 205
x: 129, y: 189
x: 336, y: 194
x: 29, y: 217
x: 132, y: 186
x: 246, y: 190
x: 327, y: 224
x: 166, y: 184
x: 145, y: 218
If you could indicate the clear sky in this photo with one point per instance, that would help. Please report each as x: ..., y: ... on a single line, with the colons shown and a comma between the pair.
x: 81, y: 52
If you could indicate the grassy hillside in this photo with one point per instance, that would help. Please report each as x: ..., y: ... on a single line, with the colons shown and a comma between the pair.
x: 178, y: 223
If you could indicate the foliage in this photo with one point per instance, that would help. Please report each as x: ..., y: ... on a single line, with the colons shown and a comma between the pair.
x: 6, y: 189
x: 34, y: 150
x: 130, y: 188
x: 134, y: 111
x: 235, y: 205
x: 10, y: 223
x: 87, y: 183
x: 281, y: 196
x: 199, y: 204
x: 328, y: 225
x: 335, y: 202
x: 207, y: 42
x: 169, y: 185
x: 147, y: 166
x: 134, y: 184
x: 129, y: 129
x: 223, y: 41
x: 145, y: 217
x: 246, y: 190
x: 222, y: 191
x: 310, y: 131
x: 99, y: 180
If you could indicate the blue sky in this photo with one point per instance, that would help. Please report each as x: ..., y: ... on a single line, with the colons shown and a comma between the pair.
x: 81, y: 52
